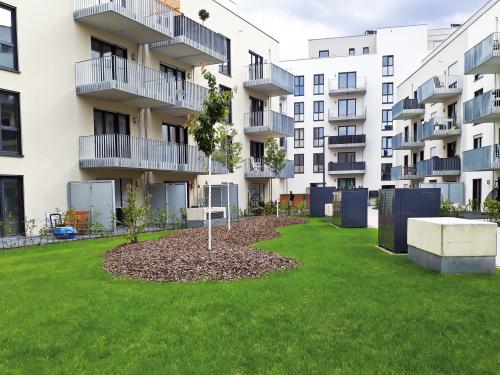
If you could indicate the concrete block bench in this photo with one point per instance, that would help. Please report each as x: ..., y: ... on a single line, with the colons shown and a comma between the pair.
x: 198, y: 217
x: 328, y: 212
x: 453, y: 246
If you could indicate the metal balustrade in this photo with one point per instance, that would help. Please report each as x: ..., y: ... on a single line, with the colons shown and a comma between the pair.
x: 404, y: 172
x: 269, y: 79
x: 396, y: 173
x: 355, y: 167
x: 406, y: 141
x: 142, y: 21
x: 482, y: 159
x: 256, y: 168
x: 484, y: 57
x: 483, y: 108
x: 124, y: 151
x: 269, y: 123
x: 347, y: 140
x: 407, y: 108
x: 193, y: 43
x: 341, y: 87
x: 439, y: 167
x: 439, y: 89
x: 438, y: 128
x: 357, y: 114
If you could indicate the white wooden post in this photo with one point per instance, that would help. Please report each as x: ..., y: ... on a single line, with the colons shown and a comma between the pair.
x: 209, y: 203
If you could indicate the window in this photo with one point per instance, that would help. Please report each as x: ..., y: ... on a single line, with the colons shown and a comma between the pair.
x: 385, y: 174
x: 229, y: 119
x: 366, y: 50
x: 477, y: 77
x: 299, y: 112
x: 388, y: 66
x: 478, y: 93
x: 10, y: 128
x: 318, y: 137
x: 347, y: 157
x: 478, y: 141
x: 283, y: 143
x: 256, y: 112
x: 347, y: 130
x: 318, y: 164
x: 319, y: 111
x: 298, y: 138
x: 225, y: 67
x: 324, y: 53
x: 8, y: 38
x: 387, y: 92
x: 386, y: 147
x: 387, y: 119
x: 346, y: 183
x: 319, y: 84
x: 347, y: 80
x: 11, y: 204
x: 347, y: 107
x: 352, y: 51
x: 100, y: 48
x: 298, y: 86
x: 298, y: 163
x: 256, y: 67
x: 106, y: 122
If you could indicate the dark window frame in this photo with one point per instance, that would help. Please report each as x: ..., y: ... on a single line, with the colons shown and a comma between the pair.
x: 298, y: 141
x: 386, y: 147
x: 225, y: 67
x: 18, y: 129
x: 298, y: 87
x: 298, y: 163
x: 319, y: 84
x: 319, y: 136
x: 318, y: 162
x: 387, y: 98
x: 366, y: 50
x: 388, y: 66
x: 387, y: 125
x: 15, y: 45
x: 322, y: 52
x: 229, y: 120
x: 353, y: 50
x: 319, y: 115
x: 296, y: 113
x: 21, y: 203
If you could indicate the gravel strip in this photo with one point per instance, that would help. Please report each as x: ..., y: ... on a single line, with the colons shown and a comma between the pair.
x: 184, y: 257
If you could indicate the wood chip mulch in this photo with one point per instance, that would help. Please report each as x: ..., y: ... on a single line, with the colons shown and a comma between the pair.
x: 184, y: 257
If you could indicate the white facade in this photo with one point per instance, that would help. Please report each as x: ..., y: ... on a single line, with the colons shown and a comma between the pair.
x: 402, y: 48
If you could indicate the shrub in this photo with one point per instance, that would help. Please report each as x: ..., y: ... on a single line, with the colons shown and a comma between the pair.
x: 137, y: 216
x: 450, y: 209
x: 492, y: 210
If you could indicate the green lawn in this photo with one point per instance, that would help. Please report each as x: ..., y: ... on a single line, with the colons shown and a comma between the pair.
x: 349, y: 309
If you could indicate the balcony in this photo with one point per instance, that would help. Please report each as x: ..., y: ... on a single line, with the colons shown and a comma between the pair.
x: 439, y: 89
x: 256, y: 168
x: 484, y: 57
x: 187, y: 100
x: 193, y: 44
x: 405, y: 141
x: 119, y: 151
x: 142, y: 21
x: 342, y: 168
x: 269, y: 79
x: 344, y: 141
x: 438, y: 128
x: 269, y: 123
x: 404, y: 172
x: 483, y: 108
x: 407, y: 109
x: 359, y: 114
x: 439, y: 167
x: 482, y: 159
x: 341, y: 87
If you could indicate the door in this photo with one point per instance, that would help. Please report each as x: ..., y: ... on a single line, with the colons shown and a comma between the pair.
x: 256, y: 67
x: 452, y: 111
x: 256, y: 112
x: 347, y: 80
x: 109, y: 61
x: 257, y: 152
x: 176, y: 198
x: 347, y: 107
x: 476, y: 194
x: 451, y: 149
x: 115, y: 129
x: 179, y: 136
x: 11, y: 205
x: 233, y: 207
x: 178, y: 79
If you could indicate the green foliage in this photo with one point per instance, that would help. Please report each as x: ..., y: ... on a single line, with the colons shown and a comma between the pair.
x: 137, y: 217
x: 450, y: 209
x: 492, y: 210
x: 269, y: 208
x: 162, y: 218
x: 377, y: 203
x: 7, y: 227
x: 275, y: 156
x: 228, y: 151
x: 203, y: 14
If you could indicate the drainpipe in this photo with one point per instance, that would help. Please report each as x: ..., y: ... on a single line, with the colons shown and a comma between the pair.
x: 144, y: 114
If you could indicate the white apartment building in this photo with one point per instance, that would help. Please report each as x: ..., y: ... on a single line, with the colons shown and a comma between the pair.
x: 342, y: 105
x: 447, y: 113
x: 99, y: 90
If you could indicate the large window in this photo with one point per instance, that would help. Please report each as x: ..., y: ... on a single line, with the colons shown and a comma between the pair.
x: 319, y: 111
x: 385, y: 173
x: 387, y: 92
x: 346, y: 157
x: 298, y: 163
x: 347, y: 107
x: 8, y: 38
x: 387, y: 119
x: 11, y: 205
x: 10, y: 128
x: 229, y: 119
x: 225, y: 67
x: 319, y: 84
x: 299, y: 112
x: 298, y: 138
x: 347, y: 80
x: 298, y: 86
x: 388, y: 66
x: 318, y: 137
x: 318, y: 163
x: 347, y: 130
x: 386, y: 147
x: 111, y: 123
x: 346, y: 183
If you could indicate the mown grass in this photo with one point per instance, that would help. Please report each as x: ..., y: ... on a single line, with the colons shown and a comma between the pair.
x: 349, y: 308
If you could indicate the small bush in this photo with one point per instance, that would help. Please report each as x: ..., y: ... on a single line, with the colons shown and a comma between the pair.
x: 492, y: 210
x: 137, y: 217
x: 450, y: 209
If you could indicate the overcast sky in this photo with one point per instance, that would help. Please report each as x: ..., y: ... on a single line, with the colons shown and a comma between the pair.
x: 293, y: 22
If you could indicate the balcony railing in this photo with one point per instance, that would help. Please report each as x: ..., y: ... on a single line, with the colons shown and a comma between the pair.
x: 188, y: 99
x: 342, y: 87
x: 439, y: 89
x: 482, y: 159
x: 269, y: 79
x: 269, y: 123
x: 123, y: 151
x: 439, y: 167
x: 358, y: 114
x: 484, y: 57
x: 142, y: 21
x: 256, y: 168
x: 483, y: 108
x: 347, y: 140
x: 404, y: 172
x: 407, y: 108
x: 406, y: 141
x: 193, y: 43
x: 438, y: 128
x: 354, y: 167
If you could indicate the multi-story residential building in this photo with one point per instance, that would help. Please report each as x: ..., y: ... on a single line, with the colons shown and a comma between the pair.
x: 342, y: 105
x: 96, y: 90
x: 447, y: 111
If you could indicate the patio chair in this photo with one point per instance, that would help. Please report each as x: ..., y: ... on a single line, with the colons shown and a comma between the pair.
x: 255, y: 166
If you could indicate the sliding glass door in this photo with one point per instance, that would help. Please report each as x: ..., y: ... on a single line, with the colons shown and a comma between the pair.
x: 11, y: 205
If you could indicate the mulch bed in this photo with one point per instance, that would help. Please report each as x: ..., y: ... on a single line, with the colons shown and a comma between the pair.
x: 184, y: 257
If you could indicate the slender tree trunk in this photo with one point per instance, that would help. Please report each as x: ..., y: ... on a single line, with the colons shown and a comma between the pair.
x: 209, y: 203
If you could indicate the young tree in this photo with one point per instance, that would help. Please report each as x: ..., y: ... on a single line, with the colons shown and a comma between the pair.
x: 214, y: 110
x: 136, y: 216
x: 229, y: 154
x: 275, y: 160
